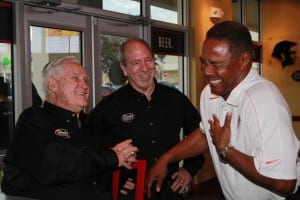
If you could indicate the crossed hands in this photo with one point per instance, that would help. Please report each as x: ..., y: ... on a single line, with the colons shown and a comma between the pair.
x: 126, y: 153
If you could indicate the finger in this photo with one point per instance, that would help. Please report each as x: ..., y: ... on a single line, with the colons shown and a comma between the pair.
x: 211, y: 123
x: 124, y: 192
x: 176, y: 184
x: 174, y: 175
x: 149, y: 183
x: 216, y: 119
x: 148, y: 188
x: 158, y: 185
x: 123, y: 145
x: 228, y: 120
x: 182, y: 189
x: 127, y: 165
x: 129, y: 185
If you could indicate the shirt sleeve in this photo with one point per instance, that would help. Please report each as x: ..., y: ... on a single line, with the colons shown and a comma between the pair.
x: 275, y: 146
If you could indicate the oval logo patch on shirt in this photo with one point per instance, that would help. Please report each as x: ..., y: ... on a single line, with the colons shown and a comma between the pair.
x: 128, y: 117
x: 61, y: 132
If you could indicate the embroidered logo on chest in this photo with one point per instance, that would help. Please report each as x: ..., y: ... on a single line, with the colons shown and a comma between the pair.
x: 128, y: 117
x: 63, y: 133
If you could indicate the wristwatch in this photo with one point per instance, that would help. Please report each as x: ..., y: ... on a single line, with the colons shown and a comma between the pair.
x: 222, y: 154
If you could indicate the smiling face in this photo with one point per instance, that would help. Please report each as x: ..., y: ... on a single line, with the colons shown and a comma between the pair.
x: 140, y: 66
x: 222, y: 69
x: 70, y: 89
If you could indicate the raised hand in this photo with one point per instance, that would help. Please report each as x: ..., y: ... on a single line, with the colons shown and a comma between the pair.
x: 220, y: 134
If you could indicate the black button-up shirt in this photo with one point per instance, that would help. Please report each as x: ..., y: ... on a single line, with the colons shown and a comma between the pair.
x: 50, y: 157
x: 153, y: 125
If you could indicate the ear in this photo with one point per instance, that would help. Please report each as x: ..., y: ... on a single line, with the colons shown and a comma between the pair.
x: 245, y: 60
x: 52, y: 84
x: 124, y: 69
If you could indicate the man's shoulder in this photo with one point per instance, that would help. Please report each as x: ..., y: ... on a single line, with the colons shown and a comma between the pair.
x: 167, y: 90
x: 33, y: 113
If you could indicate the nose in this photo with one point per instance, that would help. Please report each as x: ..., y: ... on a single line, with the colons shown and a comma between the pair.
x: 144, y: 66
x: 84, y: 83
x: 207, y: 68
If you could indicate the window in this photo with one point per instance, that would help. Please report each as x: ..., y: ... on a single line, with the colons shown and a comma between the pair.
x: 167, y: 11
x: 48, y: 44
x: 248, y: 13
x: 123, y: 6
x: 6, y: 81
x: 168, y: 49
x: 112, y: 75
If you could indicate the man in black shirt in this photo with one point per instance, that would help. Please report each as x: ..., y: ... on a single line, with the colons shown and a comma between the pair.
x: 152, y: 115
x: 51, y: 156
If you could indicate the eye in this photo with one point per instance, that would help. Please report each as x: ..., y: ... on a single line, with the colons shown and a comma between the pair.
x: 75, y: 78
x: 86, y: 79
x: 202, y: 62
x: 216, y: 64
x: 149, y: 60
x: 134, y: 63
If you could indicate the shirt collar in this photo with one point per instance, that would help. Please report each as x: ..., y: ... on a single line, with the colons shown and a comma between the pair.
x: 236, y: 92
x: 61, y: 113
x: 137, y: 94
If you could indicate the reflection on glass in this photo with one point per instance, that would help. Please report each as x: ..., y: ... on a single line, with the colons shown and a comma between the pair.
x: 252, y: 15
x: 112, y: 75
x: 123, y: 6
x: 48, y: 44
x: 168, y: 69
x: 236, y: 11
x: 167, y: 11
x: 6, y: 105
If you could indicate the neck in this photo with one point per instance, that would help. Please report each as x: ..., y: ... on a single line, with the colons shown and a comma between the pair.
x: 148, y: 92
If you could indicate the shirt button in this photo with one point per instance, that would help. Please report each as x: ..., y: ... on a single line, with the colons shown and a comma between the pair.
x: 155, y: 159
x: 148, y: 106
x: 73, y: 115
x: 153, y: 141
x: 68, y: 121
x: 94, y: 183
x: 151, y: 124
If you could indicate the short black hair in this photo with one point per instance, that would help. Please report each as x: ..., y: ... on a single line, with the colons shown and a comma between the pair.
x: 236, y: 34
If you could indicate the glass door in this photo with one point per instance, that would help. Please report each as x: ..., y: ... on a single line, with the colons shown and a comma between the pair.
x: 52, y: 35
x: 6, y: 80
x: 111, y: 34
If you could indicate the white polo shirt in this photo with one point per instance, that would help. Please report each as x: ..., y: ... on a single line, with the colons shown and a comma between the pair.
x: 260, y: 127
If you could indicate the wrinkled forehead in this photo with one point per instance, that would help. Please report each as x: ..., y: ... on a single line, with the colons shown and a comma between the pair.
x: 73, y: 68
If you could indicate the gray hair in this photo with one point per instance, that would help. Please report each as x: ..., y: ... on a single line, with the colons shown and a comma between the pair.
x: 54, y: 69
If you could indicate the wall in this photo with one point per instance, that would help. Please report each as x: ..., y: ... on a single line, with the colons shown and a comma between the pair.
x: 280, y: 22
x: 199, y: 24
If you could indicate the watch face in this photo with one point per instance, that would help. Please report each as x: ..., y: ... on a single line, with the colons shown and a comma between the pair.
x: 222, y: 155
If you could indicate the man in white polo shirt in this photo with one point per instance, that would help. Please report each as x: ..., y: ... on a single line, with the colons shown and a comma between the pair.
x: 246, y: 123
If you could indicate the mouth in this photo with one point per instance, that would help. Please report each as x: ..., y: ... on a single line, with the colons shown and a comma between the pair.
x: 214, y: 81
x: 145, y: 76
x: 83, y: 94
